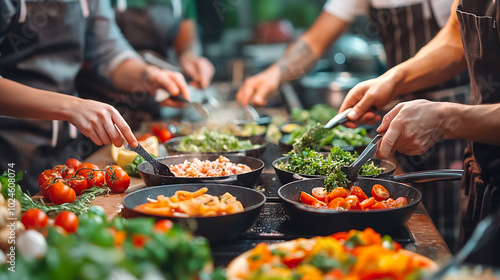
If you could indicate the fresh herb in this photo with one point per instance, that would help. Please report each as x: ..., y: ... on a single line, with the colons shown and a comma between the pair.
x: 314, y: 163
x: 315, y: 137
x: 212, y: 141
x: 321, y: 113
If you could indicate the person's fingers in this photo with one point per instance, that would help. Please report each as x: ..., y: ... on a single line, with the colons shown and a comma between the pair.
x: 113, y: 133
x: 181, y: 84
x: 386, y: 121
x: 103, y: 134
x: 165, y: 81
x: 260, y: 96
x: 361, y: 107
x: 190, y: 70
x: 92, y: 134
x: 125, y: 130
x: 245, y: 93
x: 206, y: 72
x: 353, y: 97
x: 389, y: 141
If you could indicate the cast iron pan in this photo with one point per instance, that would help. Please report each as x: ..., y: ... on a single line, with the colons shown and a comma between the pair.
x: 217, y: 229
x: 248, y: 179
x: 286, y: 177
x: 173, y: 144
x: 325, y: 221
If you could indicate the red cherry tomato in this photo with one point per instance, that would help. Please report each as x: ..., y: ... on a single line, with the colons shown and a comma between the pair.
x: 64, y: 170
x: 379, y: 192
x: 357, y: 191
x: 94, y: 179
x: 60, y: 193
x: 86, y: 167
x: 34, y: 219
x: 78, y: 184
x: 46, y: 175
x: 319, y: 193
x: 139, y: 240
x: 165, y: 135
x: 400, y: 202
x: 339, y: 204
x: 310, y: 200
x: 381, y: 205
x: 338, y: 192
x: 163, y: 226
x: 390, y: 202
x: 368, y: 203
x: 45, y: 187
x: 117, y: 179
x: 68, y: 221
x: 73, y: 163
x: 353, y: 202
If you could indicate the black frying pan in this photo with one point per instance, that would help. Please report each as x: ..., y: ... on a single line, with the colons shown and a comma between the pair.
x: 286, y: 177
x: 218, y: 229
x: 248, y: 179
x: 173, y: 144
x: 326, y: 221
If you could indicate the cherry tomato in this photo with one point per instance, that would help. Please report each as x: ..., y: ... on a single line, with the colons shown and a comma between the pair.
x: 367, y: 203
x: 310, y: 200
x: 117, y: 179
x: 139, y: 240
x: 165, y: 135
x: 292, y: 261
x: 60, y: 193
x: 118, y: 235
x: 319, y: 193
x: 144, y: 137
x: 78, y: 184
x: 163, y: 226
x: 68, y: 221
x: 45, y: 187
x: 34, y: 219
x: 94, y: 179
x: 338, y: 192
x: 379, y: 192
x: 339, y: 204
x: 353, y: 202
x: 156, y: 129
x: 73, y: 163
x: 390, y: 201
x: 86, y: 168
x: 400, y: 202
x: 64, y: 170
x: 46, y: 175
x: 381, y: 205
x: 357, y: 191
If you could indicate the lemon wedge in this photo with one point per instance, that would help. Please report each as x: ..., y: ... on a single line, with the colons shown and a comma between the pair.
x: 123, y: 156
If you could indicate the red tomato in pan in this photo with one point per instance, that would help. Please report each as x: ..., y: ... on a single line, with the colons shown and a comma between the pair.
x: 353, y: 202
x: 357, y: 191
x: 381, y: 205
x: 379, y: 192
x: 319, y: 193
x: 368, y: 203
x: 338, y: 192
x: 310, y: 200
x: 400, y: 202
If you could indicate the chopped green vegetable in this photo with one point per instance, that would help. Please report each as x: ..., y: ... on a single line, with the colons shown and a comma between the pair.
x: 131, y: 168
x: 321, y: 113
x: 212, y: 141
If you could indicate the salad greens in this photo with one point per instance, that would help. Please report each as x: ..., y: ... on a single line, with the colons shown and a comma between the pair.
x: 314, y: 163
x: 212, y: 141
x: 321, y: 113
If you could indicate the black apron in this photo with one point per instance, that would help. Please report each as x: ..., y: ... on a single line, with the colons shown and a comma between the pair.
x: 481, y: 184
x: 404, y: 31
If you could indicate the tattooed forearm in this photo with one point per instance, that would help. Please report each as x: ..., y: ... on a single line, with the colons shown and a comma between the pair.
x: 296, y: 62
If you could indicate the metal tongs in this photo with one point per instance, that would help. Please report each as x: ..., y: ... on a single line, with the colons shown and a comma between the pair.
x: 352, y: 170
x: 162, y: 95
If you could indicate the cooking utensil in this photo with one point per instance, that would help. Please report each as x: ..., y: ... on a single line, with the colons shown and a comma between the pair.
x: 352, y: 170
x: 162, y: 95
x: 286, y: 177
x: 172, y: 147
x: 247, y: 179
x: 217, y: 229
x: 327, y: 221
x: 312, y: 137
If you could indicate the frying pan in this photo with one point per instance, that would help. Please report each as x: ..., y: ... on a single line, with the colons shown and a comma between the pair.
x: 286, y: 177
x: 327, y: 221
x: 247, y: 179
x: 172, y: 146
x: 217, y: 229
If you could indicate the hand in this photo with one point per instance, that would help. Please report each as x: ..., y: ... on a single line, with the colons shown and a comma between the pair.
x: 366, y: 95
x: 412, y: 128
x: 171, y: 81
x: 257, y: 89
x: 198, y: 68
x: 100, y: 122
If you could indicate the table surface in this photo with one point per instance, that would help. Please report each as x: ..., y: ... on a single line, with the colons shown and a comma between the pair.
x: 425, y: 238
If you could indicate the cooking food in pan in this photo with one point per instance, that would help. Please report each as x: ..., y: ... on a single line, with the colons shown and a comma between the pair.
x: 212, y: 141
x: 314, y: 163
x: 343, y: 255
x: 191, y: 204
x: 222, y: 166
x: 342, y: 199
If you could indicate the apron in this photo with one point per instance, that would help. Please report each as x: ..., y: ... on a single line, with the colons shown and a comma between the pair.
x: 404, y: 31
x: 481, y: 184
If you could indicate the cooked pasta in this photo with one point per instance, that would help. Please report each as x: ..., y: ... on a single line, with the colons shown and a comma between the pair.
x: 219, y: 167
x: 191, y: 204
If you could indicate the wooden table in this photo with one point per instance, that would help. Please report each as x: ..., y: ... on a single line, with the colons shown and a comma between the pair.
x: 427, y: 240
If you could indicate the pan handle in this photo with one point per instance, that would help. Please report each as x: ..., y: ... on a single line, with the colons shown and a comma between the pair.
x: 229, y: 180
x: 430, y: 176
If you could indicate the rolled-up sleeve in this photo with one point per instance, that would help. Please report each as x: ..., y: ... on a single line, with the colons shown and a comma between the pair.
x: 105, y: 47
x: 346, y: 10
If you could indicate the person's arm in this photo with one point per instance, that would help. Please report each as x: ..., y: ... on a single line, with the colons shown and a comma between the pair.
x: 197, y: 67
x: 298, y: 59
x: 414, y: 127
x: 441, y: 59
x: 94, y: 119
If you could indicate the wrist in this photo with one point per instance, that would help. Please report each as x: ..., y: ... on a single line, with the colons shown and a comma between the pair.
x: 396, y: 76
x: 453, y: 119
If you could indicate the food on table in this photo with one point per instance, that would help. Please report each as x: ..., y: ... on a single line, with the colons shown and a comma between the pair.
x: 117, y: 179
x: 342, y: 199
x: 34, y: 219
x: 344, y: 255
x: 314, y: 163
x: 191, y: 204
x: 212, y: 141
x: 222, y: 166
x: 321, y: 113
x: 94, y: 247
x: 122, y: 156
